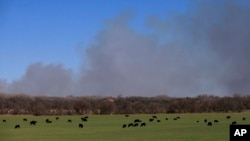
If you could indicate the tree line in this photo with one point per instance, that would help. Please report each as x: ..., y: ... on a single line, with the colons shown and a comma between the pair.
x: 78, y: 105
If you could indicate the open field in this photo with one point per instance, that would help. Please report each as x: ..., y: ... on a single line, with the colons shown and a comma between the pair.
x: 109, y: 128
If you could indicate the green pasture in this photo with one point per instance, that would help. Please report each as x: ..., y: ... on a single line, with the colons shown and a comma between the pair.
x: 109, y: 128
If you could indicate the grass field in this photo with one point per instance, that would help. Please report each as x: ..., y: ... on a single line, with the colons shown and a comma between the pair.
x: 109, y: 128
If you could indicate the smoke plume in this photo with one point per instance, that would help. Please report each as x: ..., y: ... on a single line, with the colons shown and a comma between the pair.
x: 204, y: 50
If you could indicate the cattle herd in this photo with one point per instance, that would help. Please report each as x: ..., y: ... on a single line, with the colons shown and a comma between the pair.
x: 34, y: 122
x: 133, y: 123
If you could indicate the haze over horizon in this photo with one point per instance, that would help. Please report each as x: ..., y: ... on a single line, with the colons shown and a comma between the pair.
x: 177, y: 48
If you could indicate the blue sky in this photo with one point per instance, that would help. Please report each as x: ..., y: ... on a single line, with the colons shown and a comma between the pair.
x: 57, y: 31
x: 127, y: 47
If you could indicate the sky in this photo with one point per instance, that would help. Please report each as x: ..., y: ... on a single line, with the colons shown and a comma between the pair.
x: 129, y: 48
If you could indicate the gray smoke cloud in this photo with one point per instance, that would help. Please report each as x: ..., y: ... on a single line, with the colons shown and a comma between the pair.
x: 40, y: 79
x: 204, y: 50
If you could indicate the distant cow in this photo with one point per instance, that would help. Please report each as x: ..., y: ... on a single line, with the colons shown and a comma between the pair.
x: 69, y: 120
x: 126, y: 115
x: 17, y: 126
x: 166, y: 118
x: 80, y: 125
x: 48, y: 121
x: 124, y: 126
x: 234, y: 123
x: 57, y: 118
x: 137, y: 120
x: 151, y: 119
x: 197, y: 121
x: 33, y: 122
x: 158, y: 120
x: 130, y: 124
x: 243, y: 118
x: 209, y: 124
x: 216, y: 121
x: 154, y: 116
x: 205, y: 120
x: 84, y: 119
x: 25, y: 119
x: 143, y: 124
x: 228, y: 117
x: 4, y: 120
x: 136, y: 124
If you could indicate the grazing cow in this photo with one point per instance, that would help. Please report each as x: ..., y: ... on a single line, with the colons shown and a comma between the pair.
x: 154, y: 116
x: 175, y: 118
x: 205, y: 120
x: 4, y: 120
x: 80, y: 125
x: 124, y: 126
x: 33, y: 122
x: 158, y: 120
x: 126, y: 115
x: 197, y: 121
x: 136, y: 124
x: 84, y: 119
x: 166, y: 118
x: 69, y: 120
x: 143, y: 124
x: 209, y: 124
x: 216, y: 121
x: 130, y: 124
x: 178, y: 117
x: 137, y: 120
x: 151, y: 119
x: 243, y: 118
x: 48, y: 121
x: 24, y: 119
x: 234, y: 123
x: 57, y: 118
x: 228, y: 117
x: 17, y: 126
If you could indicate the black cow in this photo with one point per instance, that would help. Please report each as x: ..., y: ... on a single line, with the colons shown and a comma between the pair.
x: 228, y: 117
x: 158, y: 120
x: 84, y: 119
x: 80, y: 125
x: 205, y: 120
x: 48, y: 121
x: 151, y: 119
x: 143, y: 124
x: 124, y: 126
x: 25, y: 119
x: 69, y: 120
x: 136, y: 124
x: 130, y: 124
x: 154, y: 116
x: 33, y: 122
x: 197, y: 121
x: 209, y: 124
x: 243, y: 118
x: 57, y: 118
x: 137, y: 120
x: 126, y: 115
x: 166, y: 118
x: 17, y: 126
x: 234, y: 123
x: 4, y: 120
x: 216, y: 121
